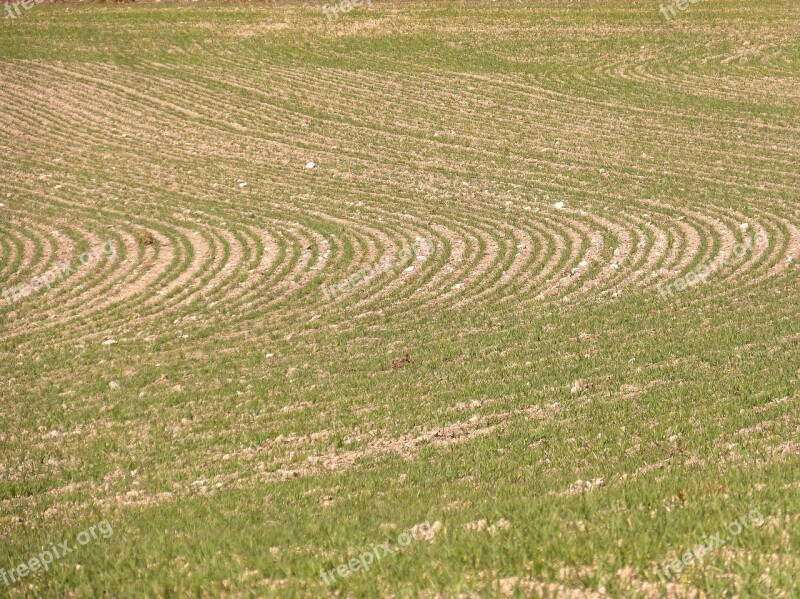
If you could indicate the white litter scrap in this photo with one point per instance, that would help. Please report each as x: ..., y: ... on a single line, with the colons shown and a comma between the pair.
x: 310, y: 165
x: 559, y: 205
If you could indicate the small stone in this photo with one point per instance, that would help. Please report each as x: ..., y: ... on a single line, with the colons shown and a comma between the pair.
x: 242, y: 185
x: 115, y: 385
x: 559, y: 205
x: 110, y: 342
x: 499, y: 525
x: 310, y: 165
x: 478, y: 525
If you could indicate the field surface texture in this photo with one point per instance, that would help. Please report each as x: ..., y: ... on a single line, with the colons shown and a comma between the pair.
x: 416, y: 299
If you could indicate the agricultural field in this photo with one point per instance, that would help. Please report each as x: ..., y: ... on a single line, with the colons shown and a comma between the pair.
x: 400, y: 299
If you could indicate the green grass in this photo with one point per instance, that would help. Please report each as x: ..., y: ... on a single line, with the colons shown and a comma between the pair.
x: 248, y: 401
